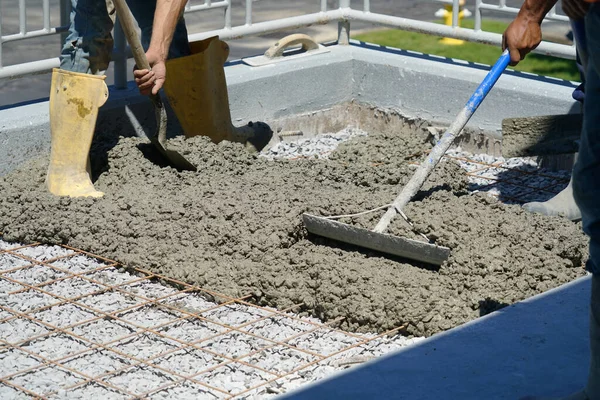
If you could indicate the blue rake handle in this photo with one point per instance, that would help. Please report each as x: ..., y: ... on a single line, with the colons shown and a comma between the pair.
x: 436, y: 154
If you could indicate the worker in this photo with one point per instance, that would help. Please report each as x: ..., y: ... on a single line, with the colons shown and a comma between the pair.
x: 563, y: 204
x: 522, y: 36
x: 78, y: 89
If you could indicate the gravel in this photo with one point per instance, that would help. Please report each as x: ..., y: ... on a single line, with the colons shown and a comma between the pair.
x: 512, y: 179
x: 222, y: 362
x: 320, y: 146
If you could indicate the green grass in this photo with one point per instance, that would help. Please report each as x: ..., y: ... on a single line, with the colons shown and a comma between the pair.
x: 475, y: 52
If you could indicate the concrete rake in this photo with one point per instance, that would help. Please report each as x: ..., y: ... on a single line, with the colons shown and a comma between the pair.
x: 377, y: 239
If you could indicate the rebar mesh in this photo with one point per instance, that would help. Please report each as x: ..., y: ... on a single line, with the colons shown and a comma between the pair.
x: 63, y: 321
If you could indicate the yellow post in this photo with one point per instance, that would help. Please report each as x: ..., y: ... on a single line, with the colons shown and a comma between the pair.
x: 447, y: 17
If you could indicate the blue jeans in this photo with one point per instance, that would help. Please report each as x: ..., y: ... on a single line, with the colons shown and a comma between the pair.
x: 586, y: 186
x: 89, y: 45
x: 578, y: 29
x: 586, y: 173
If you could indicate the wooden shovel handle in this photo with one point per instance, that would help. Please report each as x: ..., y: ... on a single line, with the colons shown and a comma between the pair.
x: 128, y: 24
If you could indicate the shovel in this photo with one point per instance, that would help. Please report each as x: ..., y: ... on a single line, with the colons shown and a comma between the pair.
x: 377, y: 239
x: 159, y: 140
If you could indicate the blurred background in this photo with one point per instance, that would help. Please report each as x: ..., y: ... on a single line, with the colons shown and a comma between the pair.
x: 34, y: 87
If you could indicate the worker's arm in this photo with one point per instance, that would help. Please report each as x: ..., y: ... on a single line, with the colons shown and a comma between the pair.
x: 166, y: 16
x: 524, y: 33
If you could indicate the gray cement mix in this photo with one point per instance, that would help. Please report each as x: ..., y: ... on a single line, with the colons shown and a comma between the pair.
x: 235, y: 227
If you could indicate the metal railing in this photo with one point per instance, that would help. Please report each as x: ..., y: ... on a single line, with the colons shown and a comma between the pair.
x: 501, y: 7
x: 344, y: 15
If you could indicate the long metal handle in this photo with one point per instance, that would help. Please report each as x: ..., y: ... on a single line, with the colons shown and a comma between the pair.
x: 436, y: 154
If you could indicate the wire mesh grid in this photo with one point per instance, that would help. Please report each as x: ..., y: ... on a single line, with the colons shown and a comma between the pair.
x: 512, y: 181
x: 71, y: 327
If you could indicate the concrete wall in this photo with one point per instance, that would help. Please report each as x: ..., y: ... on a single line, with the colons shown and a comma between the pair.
x: 437, y: 88
x: 411, y: 84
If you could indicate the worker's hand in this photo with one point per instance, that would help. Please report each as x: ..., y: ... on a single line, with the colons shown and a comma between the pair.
x: 575, y: 9
x: 150, y: 81
x: 521, y: 37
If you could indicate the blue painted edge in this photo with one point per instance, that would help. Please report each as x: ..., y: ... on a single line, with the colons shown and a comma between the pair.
x: 488, y: 82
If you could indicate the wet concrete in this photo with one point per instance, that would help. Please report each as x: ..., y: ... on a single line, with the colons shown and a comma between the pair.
x: 234, y: 226
x: 541, y: 135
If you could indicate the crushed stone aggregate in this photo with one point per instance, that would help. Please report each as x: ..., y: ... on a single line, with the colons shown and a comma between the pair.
x: 55, y: 347
x: 279, y: 328
x: 72, y: 287
x: 192, y: 331
x: 97, y: 363
x: 43, y: 252
x: 46, y: 380
x: 222, y: 347
x: 188, y: 390
x: 13, y: 361
x: 148, y: 316
x: 9, y: 262
x: 188, y: 361
x: 319, y: 146
x: 26, y: 301
x: 109, y: 302
x: 7, y: 392
x: 235, y: 377
x: 63, y: 315
x: 89, y: 391
x: 35, y: 275
x: 140, y: 380
x: 78, y: 264
x: 19, y: 329
x: 146, y: 346
x: 103, y: 331
x: 235, y: 344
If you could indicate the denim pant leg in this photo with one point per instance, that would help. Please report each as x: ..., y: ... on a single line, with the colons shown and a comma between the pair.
x: 586, y: 173
x: 578, y: 29
x: 143, y: 11
x: 586, y: 186
x: 89, y: 45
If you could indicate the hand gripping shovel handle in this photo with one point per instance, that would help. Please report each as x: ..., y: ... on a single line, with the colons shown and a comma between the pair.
x: 159, y: 140
x: 128, y: 25
x: 436, y: 154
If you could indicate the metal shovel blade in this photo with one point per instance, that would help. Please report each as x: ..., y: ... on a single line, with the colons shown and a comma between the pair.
x: 176, y: 159
x: 159, y: 140
x: 398, y: 246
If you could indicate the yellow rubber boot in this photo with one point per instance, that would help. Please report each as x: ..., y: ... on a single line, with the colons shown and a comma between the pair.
x: 74, y: 102
x: 197, y: 91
